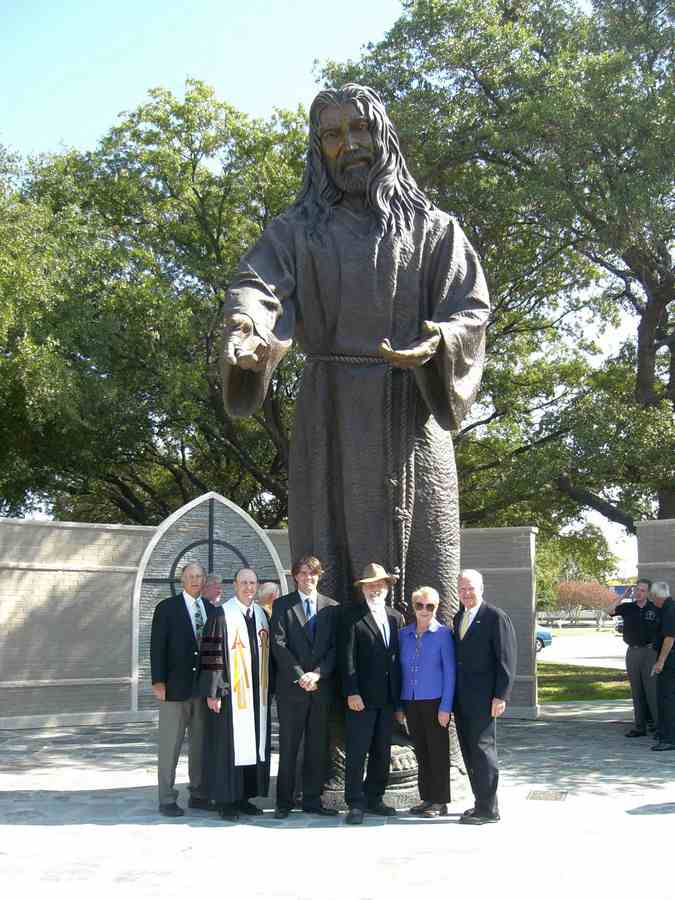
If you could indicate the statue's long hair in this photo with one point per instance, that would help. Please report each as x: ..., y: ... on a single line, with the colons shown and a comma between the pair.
x: 391, y: 190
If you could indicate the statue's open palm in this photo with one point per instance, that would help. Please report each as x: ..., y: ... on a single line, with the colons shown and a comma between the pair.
x: 416, y: 354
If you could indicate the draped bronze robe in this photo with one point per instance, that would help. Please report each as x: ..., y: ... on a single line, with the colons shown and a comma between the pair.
x: 372, y: 473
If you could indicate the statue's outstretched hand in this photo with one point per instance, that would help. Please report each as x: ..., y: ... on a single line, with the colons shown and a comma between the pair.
x: 418, y: 353
x: 242, y: 346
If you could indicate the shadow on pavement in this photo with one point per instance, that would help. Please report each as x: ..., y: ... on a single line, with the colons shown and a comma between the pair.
x: 652, y: 809
x: 590, y: 758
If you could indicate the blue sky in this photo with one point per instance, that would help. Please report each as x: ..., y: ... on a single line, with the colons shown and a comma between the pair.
x: 68, y: 67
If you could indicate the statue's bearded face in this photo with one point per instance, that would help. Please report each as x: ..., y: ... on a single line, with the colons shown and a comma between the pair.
x: 347, y: 147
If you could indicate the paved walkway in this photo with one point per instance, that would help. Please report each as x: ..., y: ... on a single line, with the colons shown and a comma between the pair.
x: 78, y: 818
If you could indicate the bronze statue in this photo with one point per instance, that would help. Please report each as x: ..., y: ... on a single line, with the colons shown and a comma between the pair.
x: 387, y: 299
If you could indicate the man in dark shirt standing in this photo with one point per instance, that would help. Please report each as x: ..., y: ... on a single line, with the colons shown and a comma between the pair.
x: 664, y: 667
x: 640, y: 624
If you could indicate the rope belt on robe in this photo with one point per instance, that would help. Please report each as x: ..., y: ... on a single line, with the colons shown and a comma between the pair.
x: 400, y: 490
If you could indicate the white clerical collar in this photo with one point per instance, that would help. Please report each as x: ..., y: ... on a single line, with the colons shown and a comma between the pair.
x: 242, y: 606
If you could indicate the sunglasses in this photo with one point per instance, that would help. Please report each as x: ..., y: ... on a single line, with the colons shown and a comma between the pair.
x: 430, y: 607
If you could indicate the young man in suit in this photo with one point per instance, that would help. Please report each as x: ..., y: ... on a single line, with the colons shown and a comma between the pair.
x: 304, y: 630
x: 485, y: 652
x: 368, y: 654
x: 177, y: 626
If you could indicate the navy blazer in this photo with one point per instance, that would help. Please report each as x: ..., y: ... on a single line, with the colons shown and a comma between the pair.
x: 486, y: 659
x: 293, y: 649
x: 174, y: 652
x: 367, y: 666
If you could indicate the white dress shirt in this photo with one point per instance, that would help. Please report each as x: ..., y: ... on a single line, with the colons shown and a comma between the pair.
x: 379, y: 613
x: 312, y: 600
x: 465, y: 622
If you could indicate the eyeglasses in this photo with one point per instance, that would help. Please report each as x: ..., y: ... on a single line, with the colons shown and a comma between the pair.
x: 430, y: 607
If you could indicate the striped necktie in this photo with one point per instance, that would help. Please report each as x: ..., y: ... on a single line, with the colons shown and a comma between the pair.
x: 464, y: 624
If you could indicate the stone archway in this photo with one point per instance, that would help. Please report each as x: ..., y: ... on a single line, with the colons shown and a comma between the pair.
x: 210, y: 530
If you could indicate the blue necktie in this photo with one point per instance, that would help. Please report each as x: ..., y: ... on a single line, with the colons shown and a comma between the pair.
x: 311, y: 618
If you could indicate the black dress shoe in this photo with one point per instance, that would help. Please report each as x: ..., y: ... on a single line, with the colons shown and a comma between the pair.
x: 664, y: 745
x: 200, y: 803
x: 281, y: 813
x: 470, y: 812
x: 380, y: 809
x: 249, y: 809
x: 319, y: 811
x: 229, y: 812
x: 635, y: 732
x: 420, y: 808
x: 478, y: 818
x: 172, y: 810
x: 354, y: 816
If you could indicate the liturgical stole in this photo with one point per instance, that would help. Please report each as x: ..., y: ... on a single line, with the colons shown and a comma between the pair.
x: 241, y: 682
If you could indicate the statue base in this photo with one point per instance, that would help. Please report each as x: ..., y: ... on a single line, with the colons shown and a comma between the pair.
x: 402, y: 789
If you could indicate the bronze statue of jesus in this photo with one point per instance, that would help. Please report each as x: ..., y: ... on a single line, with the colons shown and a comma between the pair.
x: 386, y: 297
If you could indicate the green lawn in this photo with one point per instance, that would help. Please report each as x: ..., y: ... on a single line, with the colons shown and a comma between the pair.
x: 559, y: 683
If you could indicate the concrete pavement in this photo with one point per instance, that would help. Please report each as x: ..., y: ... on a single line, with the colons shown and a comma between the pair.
x: 78, y: 818
x: 604, y: 649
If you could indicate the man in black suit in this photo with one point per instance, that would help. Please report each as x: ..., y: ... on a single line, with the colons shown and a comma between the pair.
x: 368, y: 655
x: 485, y: 652
x: 304, y: 626
x: 177, y: 625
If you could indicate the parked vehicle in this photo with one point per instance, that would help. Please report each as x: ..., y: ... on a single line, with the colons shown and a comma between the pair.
x: 543, y: 637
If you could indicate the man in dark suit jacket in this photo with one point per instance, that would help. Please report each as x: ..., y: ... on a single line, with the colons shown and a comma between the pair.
x: 304, y: 630
x: 177, y: 624
x: 368, y: 654
x: 485, y: 652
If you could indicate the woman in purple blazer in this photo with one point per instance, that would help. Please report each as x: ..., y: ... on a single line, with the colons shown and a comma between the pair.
x: 427, y: 656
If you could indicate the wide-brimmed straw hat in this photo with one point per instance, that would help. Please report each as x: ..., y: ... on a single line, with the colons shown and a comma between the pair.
x: 375, y: 572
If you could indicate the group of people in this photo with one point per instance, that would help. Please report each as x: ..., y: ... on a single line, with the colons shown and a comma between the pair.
x: 216, y: 665
x: 649, y: 633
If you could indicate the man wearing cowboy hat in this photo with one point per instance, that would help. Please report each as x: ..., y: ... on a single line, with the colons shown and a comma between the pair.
x: 368, y: 655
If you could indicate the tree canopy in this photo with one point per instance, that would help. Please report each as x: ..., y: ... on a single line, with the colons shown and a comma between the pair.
x: 548, y: 132
x: 112, y: 268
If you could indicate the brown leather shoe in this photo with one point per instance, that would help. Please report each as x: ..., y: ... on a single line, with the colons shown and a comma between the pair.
x: 420, y: 808
x: 435, y: 810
